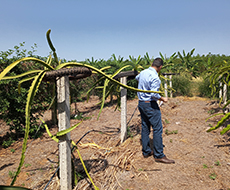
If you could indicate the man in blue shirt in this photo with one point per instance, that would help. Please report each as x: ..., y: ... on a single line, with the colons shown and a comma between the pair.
x: 150, y: 112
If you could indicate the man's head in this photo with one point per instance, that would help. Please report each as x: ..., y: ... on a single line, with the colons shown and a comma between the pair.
x: 157, y: 64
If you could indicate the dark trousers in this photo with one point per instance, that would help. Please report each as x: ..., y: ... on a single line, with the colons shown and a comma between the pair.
x: 151, y: 116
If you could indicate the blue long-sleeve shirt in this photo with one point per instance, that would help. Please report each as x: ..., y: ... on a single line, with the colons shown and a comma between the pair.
x: 148, y: 79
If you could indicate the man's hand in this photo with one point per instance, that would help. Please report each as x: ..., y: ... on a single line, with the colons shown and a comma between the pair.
x: 165, y: 100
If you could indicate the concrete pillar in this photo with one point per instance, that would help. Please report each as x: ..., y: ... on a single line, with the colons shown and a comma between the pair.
x: 170, y: 84
x: 64, y: 141
x: 220, y: 92
x: 123, y: 80
x: 225, y: 94
x: 166, y: 87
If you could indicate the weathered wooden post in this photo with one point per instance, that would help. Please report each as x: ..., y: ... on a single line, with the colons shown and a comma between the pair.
x: 123, y: 80
x: 64, y: 141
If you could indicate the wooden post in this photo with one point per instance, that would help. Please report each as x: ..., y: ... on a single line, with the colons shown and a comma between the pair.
x: 64, y: 141
x: 123, y: 110
x: 166, y: 93
x: 170, y: 84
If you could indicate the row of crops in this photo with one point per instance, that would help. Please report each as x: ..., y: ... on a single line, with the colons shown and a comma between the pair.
x: 209, y: 70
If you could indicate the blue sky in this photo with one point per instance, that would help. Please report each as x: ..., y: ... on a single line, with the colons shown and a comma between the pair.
x: 82, y: 29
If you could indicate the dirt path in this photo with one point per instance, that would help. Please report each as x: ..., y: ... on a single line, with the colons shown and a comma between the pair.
x: 202, y: 159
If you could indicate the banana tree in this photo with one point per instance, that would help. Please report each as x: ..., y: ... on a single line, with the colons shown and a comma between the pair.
x: 188, y: 64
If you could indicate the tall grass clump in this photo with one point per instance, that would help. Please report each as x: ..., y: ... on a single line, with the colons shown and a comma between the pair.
x: 182, y: 85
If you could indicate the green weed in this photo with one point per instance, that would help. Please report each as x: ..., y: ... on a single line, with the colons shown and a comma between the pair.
x: 166, y: 121
x: 212, y: 176
x: 129, y: 133
x: 12, y: 150
x: 217, y: 163
x: 27, y: 165
x: 167, y: 132
x: 7, y: 143
x: 11, y: 174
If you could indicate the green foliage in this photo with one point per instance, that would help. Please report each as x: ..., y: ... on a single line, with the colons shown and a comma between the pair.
x: 167, y: 132
x: 213, y: 176
x: 167, y: 121
x: 217, y: 163
x: 182, y: 85
x: 12, y: 150
x: 12, y: 104
x: 12, y: 174
x: 129, y: 132
x: 204, y: 89
x: 8, y: 142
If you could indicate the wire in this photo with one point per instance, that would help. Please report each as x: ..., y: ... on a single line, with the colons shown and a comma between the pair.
x: 132, y: 115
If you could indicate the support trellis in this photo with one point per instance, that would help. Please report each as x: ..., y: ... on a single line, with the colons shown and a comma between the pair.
x: 62, y: 77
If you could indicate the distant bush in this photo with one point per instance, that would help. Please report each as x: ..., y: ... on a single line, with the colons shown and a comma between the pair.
x: 182, y: 85
x: 204, y: 88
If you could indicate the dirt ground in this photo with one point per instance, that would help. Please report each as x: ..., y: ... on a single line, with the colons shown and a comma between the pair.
x: 202, y: 159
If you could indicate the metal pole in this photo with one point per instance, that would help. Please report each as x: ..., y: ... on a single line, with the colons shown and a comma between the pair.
x: 123, y: 110
x: 64, y: 141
